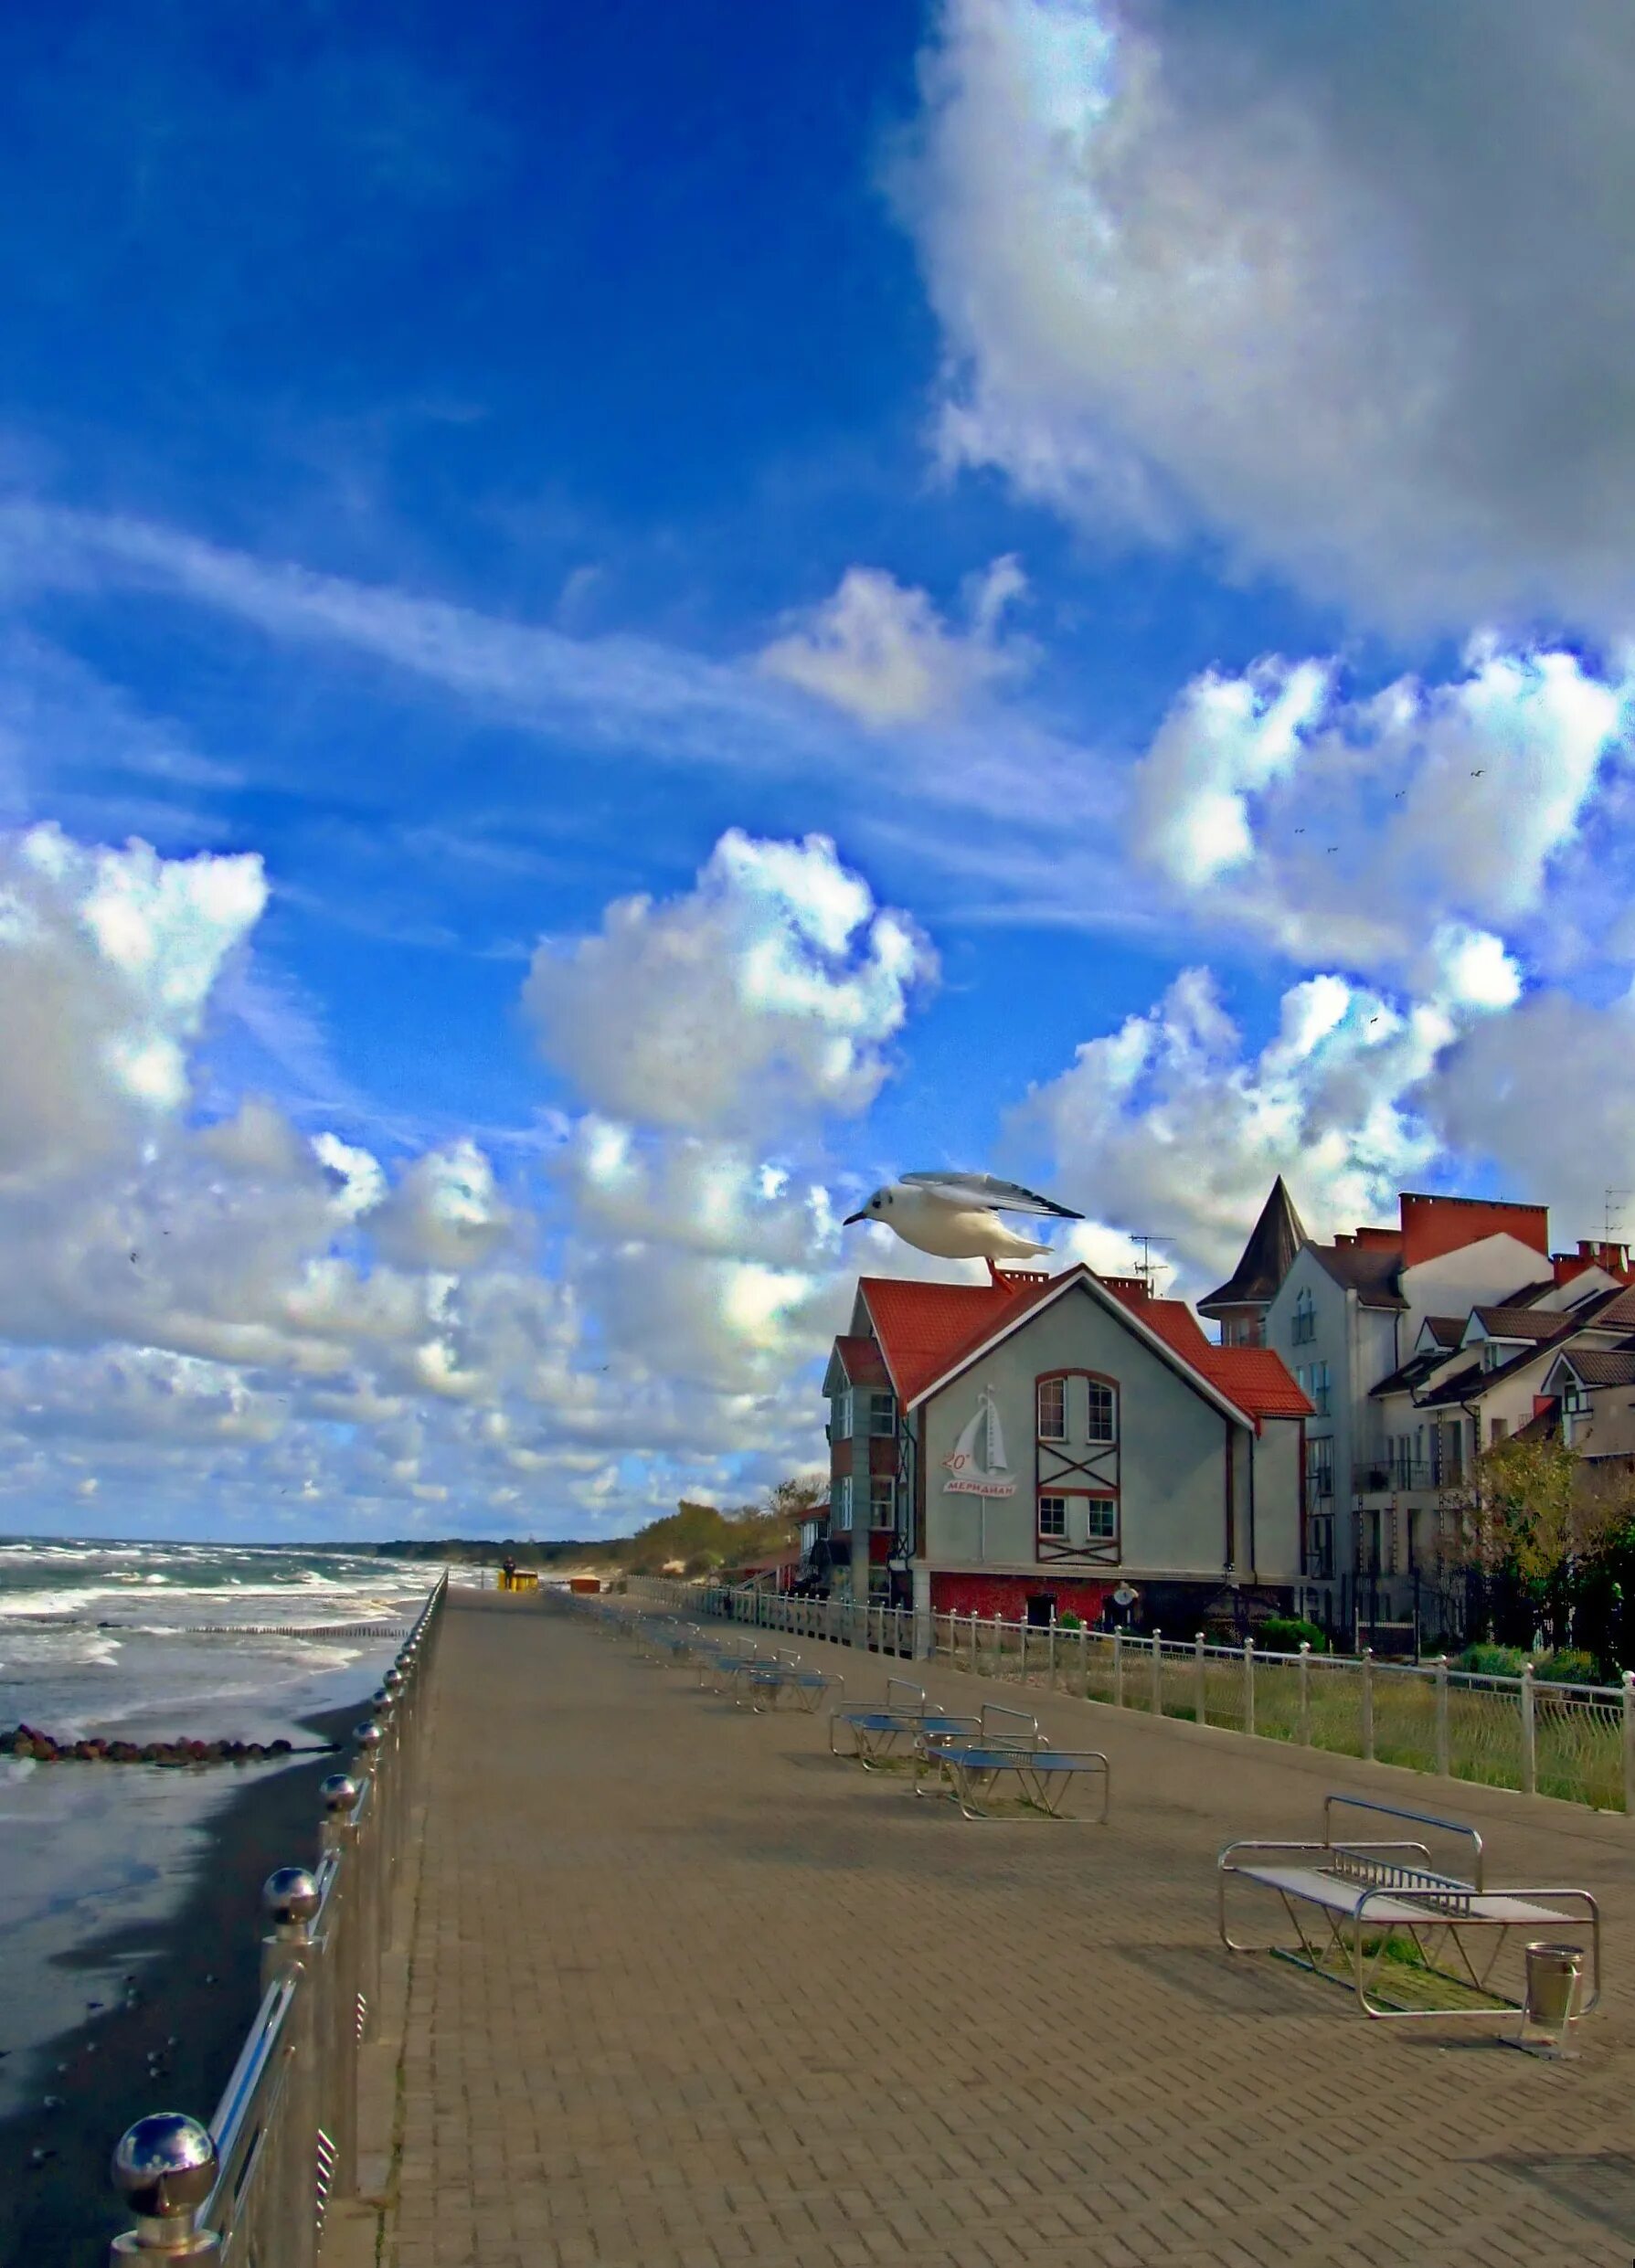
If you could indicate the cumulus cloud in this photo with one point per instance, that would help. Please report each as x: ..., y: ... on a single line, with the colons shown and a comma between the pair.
x: 241, y: 1319
x: 106, y: 960
x: 885, y: 655
x: 1350, y: 287
x: 1173, y: 1125
x: 769, y: 991
x: 1368, y: 830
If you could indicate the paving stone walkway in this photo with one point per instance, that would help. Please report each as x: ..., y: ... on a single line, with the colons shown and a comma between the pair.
x: 686, y: 1992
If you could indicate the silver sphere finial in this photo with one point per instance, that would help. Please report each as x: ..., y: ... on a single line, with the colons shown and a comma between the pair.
x: 367, y: 1734
x: 290, y: 1894
x: 164, y: 2166
x: 338, y: 1792
x: 394, y: 1679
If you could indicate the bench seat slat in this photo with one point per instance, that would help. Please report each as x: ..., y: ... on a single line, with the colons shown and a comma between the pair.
x: 1340, y: 1896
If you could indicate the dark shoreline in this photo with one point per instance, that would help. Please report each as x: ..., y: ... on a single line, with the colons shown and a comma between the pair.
x: 65, y: 2212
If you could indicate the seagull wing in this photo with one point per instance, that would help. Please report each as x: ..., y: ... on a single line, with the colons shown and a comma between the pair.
x: 987, y: 1189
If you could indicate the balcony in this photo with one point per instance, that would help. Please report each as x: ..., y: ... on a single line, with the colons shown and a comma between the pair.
x: 1403, y: 1478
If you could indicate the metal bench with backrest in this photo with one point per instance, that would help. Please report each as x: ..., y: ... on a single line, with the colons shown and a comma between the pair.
x: 1006, y: 1751
x: 880, y: 1731
x: 764, y: 1685
x: 1410, y: 1938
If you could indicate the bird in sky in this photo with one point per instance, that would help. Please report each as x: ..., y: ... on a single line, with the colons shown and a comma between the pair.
x: 956, y: 1216
x: 1478, y: 772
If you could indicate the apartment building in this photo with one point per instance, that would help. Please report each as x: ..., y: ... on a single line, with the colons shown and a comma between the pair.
x: 1384, y: 1330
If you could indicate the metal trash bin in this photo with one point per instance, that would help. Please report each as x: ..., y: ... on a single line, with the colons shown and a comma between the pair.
x: 1555, y: 1987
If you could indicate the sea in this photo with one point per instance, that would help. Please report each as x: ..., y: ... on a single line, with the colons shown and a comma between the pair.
x: 140, y: 1642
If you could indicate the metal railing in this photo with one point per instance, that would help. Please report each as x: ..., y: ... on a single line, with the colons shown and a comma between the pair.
x: 253, y: 2187
x: 1576, y: 1742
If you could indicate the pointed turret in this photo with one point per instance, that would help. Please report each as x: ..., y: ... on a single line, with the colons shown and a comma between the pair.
x: 1239, y: 1304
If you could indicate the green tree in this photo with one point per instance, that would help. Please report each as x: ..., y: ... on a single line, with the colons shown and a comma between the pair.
x: 1527, y: 1523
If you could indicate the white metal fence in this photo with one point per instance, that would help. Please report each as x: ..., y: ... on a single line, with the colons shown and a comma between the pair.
x: 1577, y: 1742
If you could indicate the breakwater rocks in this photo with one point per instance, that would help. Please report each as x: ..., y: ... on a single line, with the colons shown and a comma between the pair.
x: 27, y: 1742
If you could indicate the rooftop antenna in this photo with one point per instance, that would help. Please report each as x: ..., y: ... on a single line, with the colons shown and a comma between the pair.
x: 1148, y: 1268
x: 1612, y: 1212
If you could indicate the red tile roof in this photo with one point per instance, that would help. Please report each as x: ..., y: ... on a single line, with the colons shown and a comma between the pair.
x: 860, y: 1359
x: 1173, y: 1320
x: 924, y: 1329
x: 1258, y: 1380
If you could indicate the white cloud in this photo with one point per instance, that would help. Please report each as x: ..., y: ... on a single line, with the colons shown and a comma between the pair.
x: 1364, y: 830
x: 1351, y: 288
x: 106, y: 960
x: 884, y: 654
x: 1169, y: 1126
x: 767, y: 993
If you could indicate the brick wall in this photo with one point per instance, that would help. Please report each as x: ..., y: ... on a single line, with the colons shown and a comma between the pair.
x: 1008, y: 1594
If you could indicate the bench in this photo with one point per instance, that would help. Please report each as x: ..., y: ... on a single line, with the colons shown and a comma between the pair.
x: 970, y: 1764
x: 1379, y: 1916
x: 875, y: 1728
x: 763, y: 1684
x: 719, y: 1666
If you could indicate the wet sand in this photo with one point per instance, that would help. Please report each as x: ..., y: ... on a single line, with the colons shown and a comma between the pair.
x: 64, y: 2212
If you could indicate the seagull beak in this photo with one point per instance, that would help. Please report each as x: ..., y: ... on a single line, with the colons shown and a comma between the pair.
x: 853, y: 1216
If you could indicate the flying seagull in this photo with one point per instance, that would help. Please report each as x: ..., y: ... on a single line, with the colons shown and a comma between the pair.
x: 955, y: 1216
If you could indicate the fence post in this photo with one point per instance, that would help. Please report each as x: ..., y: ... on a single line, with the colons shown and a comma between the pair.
x: 1629, y: 1685
x: 1158, y: 1673
x: 1444, y: 1748
x: 1368, y: 1704
x: 1084, y: 1663
x: 1200, y: 1685
x: 1529, y: 1734
x: 1305, y: 1693
x: 1117, y: 1669
x: 1248, y: 1685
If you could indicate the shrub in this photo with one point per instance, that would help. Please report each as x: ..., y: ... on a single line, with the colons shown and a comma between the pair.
x: 1069, y: 1622
x: 1285, y: 1633
x: 1492, y: 1662
x: 1568, y: 1665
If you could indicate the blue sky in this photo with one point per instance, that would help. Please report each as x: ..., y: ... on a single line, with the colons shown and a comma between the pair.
x: 457, y: 473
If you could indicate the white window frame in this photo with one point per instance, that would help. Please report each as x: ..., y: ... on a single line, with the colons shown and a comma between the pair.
x: 1320, y: 1388
x: 842, y: 1508
x: 879, y: 1504
x: 881, y: 1404
x: 1059, y: 1503
x: 1059, y: 1386
x: 1097, y: 1511
x: 1094, y: 1387
x: 848, y: 1413
x: 1320, y: 1467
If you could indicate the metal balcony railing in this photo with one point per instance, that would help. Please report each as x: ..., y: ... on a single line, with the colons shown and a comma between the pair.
x: 254, y: 2186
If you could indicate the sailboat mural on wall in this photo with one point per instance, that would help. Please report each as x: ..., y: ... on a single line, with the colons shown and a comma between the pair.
x: 976, y: 1466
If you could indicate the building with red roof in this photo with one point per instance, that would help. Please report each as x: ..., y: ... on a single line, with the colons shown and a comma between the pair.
x: 1044, y: 1443
x: 1380, y: 1327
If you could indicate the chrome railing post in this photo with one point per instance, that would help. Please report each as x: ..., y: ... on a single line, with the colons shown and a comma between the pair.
x: 164, y: 2170
x: 290, y: 1899
x: 340, y: 2032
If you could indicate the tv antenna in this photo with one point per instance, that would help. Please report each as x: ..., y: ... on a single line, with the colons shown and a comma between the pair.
x: 1148, y: 1267
x: 1612, y: 1212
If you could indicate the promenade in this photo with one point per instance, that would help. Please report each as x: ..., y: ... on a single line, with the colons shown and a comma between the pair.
x: 683, y: 1992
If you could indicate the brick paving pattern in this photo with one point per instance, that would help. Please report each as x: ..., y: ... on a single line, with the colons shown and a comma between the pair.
x: 687, y: 1993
